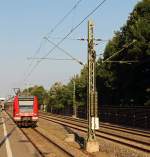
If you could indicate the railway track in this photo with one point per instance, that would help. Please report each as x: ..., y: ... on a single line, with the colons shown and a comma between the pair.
x: 104, y: 125
x: 43, y: 144
x: 134, y: 138
x: 49, y: 146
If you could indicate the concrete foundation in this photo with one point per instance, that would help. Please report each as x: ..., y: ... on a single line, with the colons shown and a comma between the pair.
x: 92, y: 146
x: 70, y: 138
x: 74, y: 116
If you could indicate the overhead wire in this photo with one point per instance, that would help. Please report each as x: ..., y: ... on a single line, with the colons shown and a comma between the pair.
x: 100, y: 4
x: 60, y: 22
x: 64, y: 17
x: 54, y: 28
x: 30, y: 58
x: 37, y: 51
x: 85, y: 18
x: 80, y: 39
x: 30, y: 72
x: 116, y: 53
x: 64, y: 51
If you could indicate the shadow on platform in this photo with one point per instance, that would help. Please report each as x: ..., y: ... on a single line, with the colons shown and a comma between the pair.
x: 6, y: 137
x: 79, y: 139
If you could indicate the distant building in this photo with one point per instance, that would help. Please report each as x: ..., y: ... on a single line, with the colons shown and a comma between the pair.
x: 2, y: 99
x: 2, y: 102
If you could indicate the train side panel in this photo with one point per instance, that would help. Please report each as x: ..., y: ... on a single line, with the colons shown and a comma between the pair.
x: 35, y: 109
x: 16, y: 114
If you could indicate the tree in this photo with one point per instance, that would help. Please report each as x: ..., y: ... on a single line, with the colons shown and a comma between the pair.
x: 128, y: 83
x: 38, y: 91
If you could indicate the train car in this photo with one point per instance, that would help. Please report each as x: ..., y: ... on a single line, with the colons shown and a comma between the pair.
x: 25, y: 110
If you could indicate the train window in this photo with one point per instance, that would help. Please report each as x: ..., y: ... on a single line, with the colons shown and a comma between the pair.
x: 26, y: 106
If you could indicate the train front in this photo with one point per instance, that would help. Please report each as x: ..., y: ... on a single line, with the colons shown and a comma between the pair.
x: 26, y: 110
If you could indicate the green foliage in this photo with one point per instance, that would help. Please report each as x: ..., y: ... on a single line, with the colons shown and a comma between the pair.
x: 127, y: 84
x: 59, y: 96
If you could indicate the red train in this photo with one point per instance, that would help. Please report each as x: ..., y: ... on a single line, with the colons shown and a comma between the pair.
x: 25, y: 110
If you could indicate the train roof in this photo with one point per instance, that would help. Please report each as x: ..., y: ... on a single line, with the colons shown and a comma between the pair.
x: 26, y: 98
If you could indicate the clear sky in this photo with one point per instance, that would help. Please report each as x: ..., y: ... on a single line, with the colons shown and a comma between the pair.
x: 23, y: 23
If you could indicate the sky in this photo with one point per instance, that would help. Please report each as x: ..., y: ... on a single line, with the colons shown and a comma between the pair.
x: 24, y: 23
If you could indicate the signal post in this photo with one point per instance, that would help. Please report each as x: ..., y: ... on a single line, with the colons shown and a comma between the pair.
x: 93, y: 121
